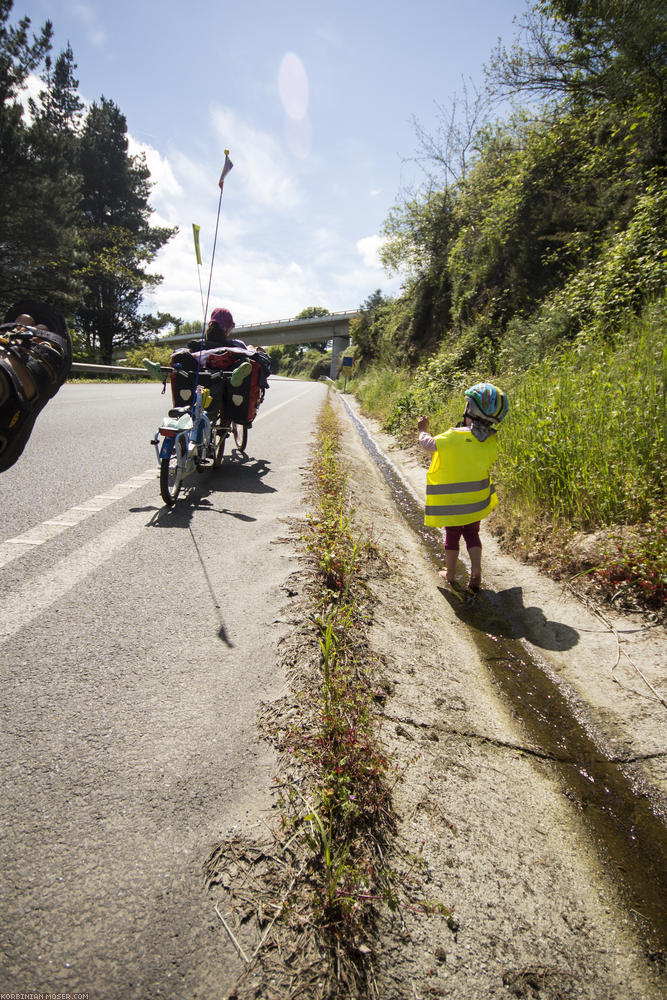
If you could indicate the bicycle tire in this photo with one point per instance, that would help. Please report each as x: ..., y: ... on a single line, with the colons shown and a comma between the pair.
x: 240, y: 432
x: 220, y: 446
x: 171, y: 474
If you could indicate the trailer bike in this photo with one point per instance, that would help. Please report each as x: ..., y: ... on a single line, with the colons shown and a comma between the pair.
x: 192, y: 438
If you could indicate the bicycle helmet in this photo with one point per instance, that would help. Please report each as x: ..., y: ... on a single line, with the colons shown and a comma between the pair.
x: 486, y: 402
x: 223, y: 319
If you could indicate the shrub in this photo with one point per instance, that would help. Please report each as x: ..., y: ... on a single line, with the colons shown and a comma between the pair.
x: 585, y: 439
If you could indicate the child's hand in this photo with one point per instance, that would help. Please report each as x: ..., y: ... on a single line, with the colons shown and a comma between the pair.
x: 422, y: 424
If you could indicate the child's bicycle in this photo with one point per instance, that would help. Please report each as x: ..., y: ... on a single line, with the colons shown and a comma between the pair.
x: 191, y: 442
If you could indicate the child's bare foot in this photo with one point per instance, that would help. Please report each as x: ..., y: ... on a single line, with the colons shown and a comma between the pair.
x: 445, y: 576
x: 475, y: 582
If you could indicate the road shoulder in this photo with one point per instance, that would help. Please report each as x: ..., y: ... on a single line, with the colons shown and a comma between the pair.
x: 482, y: 818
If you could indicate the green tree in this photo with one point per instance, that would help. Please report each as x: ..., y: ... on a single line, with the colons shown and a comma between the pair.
x: 314, y: 312
x: 51, y: 217
x: 311, y: 312
x: 19, y: 56
x: 596, y: 49
x: 275, y: 353
x: 153, y: 324
x: 366, y: 327
x: 118, y: 240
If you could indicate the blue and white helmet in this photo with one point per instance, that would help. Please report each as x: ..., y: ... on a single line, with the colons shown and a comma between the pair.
x: 486, y: 402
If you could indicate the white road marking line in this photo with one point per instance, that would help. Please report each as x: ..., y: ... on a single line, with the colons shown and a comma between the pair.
x: 44, y: 532
x: 75, y: 515
x: 32, y: 599
x: 293, y: 399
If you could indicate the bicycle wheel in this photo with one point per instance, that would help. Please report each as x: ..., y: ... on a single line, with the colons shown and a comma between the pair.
x: 222, y: 433
x: 240, y: 432
x: 171, y: 473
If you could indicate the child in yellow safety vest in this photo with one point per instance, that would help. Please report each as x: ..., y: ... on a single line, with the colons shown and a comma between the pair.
x: 459, y: 491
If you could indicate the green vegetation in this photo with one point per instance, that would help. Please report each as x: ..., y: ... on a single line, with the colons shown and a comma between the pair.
x: 154, y: 352
x: 309, y: 361
x: 74, y: 215
x: 300, y: 361
x: 535, y: 256
x: 586, y: 440
x: 351, y: 813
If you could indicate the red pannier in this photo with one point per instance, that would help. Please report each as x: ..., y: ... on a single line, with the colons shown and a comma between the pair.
x: 239, y: 402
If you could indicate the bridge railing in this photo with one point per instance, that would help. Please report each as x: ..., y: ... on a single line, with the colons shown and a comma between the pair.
x: 304, y: 319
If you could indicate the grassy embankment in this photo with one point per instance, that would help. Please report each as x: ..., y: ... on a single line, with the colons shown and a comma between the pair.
x: 583, y: 449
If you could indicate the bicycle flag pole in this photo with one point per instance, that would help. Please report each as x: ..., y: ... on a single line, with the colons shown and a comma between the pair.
x: 195, y: 234
x: 226, y: 167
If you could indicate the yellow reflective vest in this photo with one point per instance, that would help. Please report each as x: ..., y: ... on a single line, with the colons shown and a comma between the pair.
x: 458, y: 486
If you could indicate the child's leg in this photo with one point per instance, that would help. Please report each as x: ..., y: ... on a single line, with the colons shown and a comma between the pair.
x: 474, y: 546
x: 475, y: 554
x: 452, y: 539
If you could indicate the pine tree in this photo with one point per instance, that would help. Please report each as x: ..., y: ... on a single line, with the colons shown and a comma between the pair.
x: 19, y: 56
x: 51, y: 217
x: 117, y: 237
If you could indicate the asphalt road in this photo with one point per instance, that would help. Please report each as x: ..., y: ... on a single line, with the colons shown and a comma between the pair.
x: 136, y: 644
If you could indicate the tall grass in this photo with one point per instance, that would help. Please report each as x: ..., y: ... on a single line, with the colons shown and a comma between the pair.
x: 379, y: 388
x: 585, y: 439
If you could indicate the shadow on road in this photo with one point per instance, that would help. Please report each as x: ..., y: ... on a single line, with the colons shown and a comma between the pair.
x: 199, y: 493
x: 239, y: 474
x: 504, y: 616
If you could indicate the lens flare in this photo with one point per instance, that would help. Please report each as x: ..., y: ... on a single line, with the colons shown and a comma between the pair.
x: 293, y: 87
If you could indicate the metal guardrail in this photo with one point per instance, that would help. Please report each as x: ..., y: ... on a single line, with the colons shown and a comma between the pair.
x: 80, y: 367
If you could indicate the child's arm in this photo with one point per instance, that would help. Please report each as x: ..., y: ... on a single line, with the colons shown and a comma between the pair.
x: 426, y: 441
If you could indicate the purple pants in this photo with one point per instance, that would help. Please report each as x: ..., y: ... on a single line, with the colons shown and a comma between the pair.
x: 470, y: 533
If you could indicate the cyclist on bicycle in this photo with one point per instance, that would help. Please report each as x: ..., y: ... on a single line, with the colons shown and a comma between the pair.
x: 220, y: 326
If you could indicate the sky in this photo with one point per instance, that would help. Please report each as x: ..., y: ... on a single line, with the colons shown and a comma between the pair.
x: 316, y: 103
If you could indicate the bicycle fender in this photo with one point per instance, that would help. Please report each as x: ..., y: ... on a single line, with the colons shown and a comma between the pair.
x: 167, y: 448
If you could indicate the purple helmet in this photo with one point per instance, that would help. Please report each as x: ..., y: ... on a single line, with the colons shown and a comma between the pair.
x: 223, y: 319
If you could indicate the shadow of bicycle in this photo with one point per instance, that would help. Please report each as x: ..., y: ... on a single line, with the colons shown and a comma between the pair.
x: 204, y: 491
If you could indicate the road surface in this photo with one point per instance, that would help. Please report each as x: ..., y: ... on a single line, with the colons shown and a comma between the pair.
x: 136, y: 644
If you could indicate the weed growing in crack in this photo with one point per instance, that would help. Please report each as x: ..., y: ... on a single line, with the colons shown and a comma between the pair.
x: 327, y: 874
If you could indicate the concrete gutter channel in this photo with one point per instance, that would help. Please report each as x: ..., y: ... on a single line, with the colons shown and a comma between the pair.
x: 624, y: 808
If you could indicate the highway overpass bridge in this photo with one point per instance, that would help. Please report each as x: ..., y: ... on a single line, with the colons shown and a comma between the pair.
x: 334, y: 327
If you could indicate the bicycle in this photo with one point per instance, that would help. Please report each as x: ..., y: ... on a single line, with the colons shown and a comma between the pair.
x: 191, y: 441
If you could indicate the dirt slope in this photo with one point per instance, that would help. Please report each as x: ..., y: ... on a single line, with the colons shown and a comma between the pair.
x: 536, y: 910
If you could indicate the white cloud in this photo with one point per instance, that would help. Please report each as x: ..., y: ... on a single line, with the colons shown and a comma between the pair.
x: 271, y: 258
x: 263, y: 171
x: 162, y: 174
x: 369, y: 249
x: 88, y: 15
